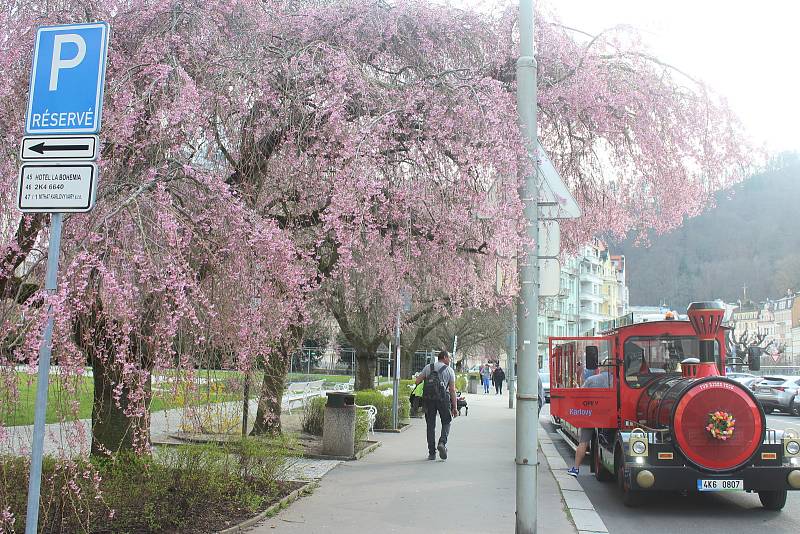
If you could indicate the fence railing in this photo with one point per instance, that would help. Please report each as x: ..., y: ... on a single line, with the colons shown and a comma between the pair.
x: 318, y: 360
x: 791, y: 370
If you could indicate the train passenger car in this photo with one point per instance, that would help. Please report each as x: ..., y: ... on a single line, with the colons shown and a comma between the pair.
x: 671, y: 420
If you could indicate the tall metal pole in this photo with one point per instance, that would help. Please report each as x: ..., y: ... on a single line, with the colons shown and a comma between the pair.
x: 528, y: 306
x: 45, y: 349
x: 396, y: 381
x: 245, y: 403
x: 511, y: 349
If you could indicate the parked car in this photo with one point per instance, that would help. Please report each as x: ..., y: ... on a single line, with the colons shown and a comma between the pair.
x: 747, y: 379
x: 737, y: 375
x: 779, y: 393
x: 546, y: 386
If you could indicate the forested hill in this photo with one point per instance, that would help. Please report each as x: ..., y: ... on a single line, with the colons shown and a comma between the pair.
x: 751, y: 237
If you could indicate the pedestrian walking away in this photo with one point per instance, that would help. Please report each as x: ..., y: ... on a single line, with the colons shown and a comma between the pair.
x: 541, y: 393
x: 439, y: 397
x: 499, y: 376
x: 601, y: 380
x: 486, y: 374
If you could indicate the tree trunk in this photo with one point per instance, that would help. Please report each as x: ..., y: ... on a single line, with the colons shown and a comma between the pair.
x: 365, y: 374
x: 268, y: 415
x: 406, y: 361
x: 112, y: 430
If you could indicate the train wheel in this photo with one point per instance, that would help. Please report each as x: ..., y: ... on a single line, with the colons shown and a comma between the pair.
x: 600, y: 472
x: 630, y: 498
x: 773, y: 499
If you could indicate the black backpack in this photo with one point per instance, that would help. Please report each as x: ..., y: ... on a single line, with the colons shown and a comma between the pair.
x: 434, y: 390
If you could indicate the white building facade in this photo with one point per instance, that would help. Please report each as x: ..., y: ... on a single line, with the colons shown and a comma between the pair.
x: 593, y: 289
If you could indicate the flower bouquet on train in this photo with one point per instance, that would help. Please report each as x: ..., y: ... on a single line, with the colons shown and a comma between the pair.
x: 720, y: 425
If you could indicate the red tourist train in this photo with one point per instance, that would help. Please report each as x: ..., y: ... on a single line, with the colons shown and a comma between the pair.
x: 671, y: 420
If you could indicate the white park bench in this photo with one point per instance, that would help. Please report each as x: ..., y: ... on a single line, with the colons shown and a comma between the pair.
x: 372, y: 414
x: 299, y: 393
x: 345, y: 386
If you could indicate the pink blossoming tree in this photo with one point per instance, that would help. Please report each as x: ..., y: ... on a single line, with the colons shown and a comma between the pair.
x: 261, y: 157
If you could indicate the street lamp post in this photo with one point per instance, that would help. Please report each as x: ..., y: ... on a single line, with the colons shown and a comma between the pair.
x: 527, y: 460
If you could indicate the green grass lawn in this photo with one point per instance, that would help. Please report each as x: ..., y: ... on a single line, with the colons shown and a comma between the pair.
x: 62, y: 393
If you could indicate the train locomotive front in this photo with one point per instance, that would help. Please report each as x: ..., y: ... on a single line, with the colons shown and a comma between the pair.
x: 715, y: 423
x: 674, y: 422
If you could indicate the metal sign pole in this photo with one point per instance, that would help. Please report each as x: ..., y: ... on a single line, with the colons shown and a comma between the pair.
x: 511, y: 347
x: 396, y: 381
x: 45, y: 349
x: 67, y: 107
x: 455, y: 346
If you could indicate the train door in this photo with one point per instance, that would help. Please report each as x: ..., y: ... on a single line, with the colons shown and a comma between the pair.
x: 573, y: 363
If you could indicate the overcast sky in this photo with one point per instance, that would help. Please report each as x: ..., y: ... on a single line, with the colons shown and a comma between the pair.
x: 748, y: 52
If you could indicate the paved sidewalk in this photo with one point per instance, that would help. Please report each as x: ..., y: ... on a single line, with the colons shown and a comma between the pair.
x: 395, y: 489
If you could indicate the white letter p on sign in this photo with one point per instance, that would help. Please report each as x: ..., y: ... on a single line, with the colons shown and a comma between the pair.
x: 59, y: 63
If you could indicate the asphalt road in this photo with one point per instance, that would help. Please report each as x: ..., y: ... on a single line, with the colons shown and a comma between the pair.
x: 670, y: 513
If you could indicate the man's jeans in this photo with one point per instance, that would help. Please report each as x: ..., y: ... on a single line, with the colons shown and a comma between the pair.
x: 431, y: 409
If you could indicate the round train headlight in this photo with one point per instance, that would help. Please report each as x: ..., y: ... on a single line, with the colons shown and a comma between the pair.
x: 639, y: 447
x: 793, y: 447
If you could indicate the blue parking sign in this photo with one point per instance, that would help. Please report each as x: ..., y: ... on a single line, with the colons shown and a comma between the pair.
x: 69, y: 68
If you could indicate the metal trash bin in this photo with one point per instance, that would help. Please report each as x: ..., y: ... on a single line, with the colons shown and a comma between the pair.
x: 339, y: 430
x: 472, y: 384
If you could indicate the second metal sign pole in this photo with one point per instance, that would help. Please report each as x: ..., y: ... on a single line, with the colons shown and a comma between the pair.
x: 45, y: 349
x: 396, y: 381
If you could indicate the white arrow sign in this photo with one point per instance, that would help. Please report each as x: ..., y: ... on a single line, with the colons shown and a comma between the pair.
x: 65, y: 147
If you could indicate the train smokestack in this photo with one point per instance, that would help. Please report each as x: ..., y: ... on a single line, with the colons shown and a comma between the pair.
x: 706, y: 318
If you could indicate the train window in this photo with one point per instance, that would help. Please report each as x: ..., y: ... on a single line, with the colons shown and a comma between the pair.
x: 568, y: 360
x: 649, y: 357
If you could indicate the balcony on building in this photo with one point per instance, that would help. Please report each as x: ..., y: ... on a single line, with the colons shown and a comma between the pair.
x: 588, y: 296
x: 589, y: 276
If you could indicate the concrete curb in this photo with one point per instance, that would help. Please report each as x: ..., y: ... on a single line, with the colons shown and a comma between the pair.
x: 272, y: 510
x: 403, y: 428
x: 586, y: 519
x: 357, y: 456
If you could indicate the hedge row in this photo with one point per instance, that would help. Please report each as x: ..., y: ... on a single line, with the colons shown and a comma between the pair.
x: 384, y: 406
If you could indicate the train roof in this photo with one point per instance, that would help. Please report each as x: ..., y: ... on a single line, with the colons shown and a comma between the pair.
x: 625, y: 326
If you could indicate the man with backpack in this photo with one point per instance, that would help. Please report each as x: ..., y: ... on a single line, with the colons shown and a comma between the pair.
x: 438, y: 396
